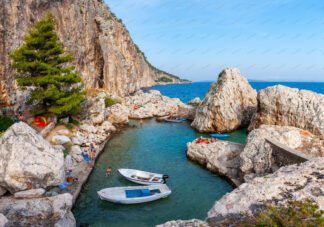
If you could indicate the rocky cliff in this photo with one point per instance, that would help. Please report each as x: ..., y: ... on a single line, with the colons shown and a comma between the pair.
x: 105, y: 54
x: 285, y: 106
x: 228, y: 105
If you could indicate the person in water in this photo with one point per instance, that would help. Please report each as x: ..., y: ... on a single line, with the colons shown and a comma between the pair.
x: 108, y: 172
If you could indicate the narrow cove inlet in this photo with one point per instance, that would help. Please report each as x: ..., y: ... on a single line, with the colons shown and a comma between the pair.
x: 155, y: 147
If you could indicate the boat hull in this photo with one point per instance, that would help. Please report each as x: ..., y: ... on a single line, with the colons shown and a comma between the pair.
x: 139, y: 176
x: 117, y: 195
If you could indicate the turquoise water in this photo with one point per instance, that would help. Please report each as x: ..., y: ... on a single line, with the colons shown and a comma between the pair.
x: 156, y: 147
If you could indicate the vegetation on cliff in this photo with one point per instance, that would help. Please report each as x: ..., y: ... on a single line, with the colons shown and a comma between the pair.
x: 5, y: 123
x: 41, y: 62
x: 295, y: 213
x: 163, y: 79
x: 109, y: 101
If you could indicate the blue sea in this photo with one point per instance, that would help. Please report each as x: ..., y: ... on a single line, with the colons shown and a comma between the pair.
x: 187, y: 92
x: 159, y: 147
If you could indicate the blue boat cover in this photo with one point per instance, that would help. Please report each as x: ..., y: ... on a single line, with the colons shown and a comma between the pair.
x: 137, y: 193
x: 146, y: 192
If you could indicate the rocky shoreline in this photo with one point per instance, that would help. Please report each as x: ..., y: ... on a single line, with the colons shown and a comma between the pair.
x: 283, y: 156
x: 97, y: 124
x: 248, y: 167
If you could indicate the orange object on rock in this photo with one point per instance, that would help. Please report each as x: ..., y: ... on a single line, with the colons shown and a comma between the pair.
x: 304, y: 133
x: 40, y: 121
x: 69, y: 179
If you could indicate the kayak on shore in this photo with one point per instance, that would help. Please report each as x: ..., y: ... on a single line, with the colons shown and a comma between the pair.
x: 219, y: 135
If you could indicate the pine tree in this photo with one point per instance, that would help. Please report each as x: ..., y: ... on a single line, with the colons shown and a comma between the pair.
x: 41, y: 62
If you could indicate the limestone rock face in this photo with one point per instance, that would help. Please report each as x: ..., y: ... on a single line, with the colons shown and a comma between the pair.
x: 118, y: 114
x: 256, y: 157
x: 228, y: 105
x: 48, y: 211
x: 281, y: 105
x: 221, y: 157
x: 26, y: 159
x: 59, y: 140
x: 105, y: 54
x: 294, y: 182
x: 187, y: 223
x: 153, y: 104
x: 32, y: 193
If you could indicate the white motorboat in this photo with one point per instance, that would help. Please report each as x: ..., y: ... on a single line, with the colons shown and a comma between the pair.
x: 134, y: 194
x: 142, y: 177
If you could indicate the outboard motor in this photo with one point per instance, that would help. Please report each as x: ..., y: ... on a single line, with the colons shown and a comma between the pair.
x: 164, y: 177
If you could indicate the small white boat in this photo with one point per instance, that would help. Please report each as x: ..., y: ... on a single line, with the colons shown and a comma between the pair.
x: 134, y: 194
x: 142, y: 177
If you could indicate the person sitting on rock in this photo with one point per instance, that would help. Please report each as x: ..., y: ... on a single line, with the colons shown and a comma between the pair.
x: 16, y: 118
x: 213, y: 140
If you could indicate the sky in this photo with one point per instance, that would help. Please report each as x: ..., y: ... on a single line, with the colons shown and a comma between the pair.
x: 272, y: 40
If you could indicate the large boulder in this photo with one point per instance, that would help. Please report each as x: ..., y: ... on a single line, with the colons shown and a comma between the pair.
x: 228, y: 105
x: 118, y: 114
x: 27, y: 160
x: 256, y: 158
x: 221, y: 157
x: 294, y: 182
x: 47, y: 211
x: 196, y: 101
x: 281, y: 105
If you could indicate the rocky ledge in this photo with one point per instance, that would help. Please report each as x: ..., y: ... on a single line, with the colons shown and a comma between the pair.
x: 228, y: 105
x: 221, y: 157
x: 280, y: 105
x: 294, y: 182
x: 257, y: 157
x: 153, y: 104
x: 187, y: 223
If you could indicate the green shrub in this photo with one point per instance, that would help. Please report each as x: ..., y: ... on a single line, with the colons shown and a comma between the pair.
x: 72, y: 121
x: 163, y: 79
x: 109, y: 102
x: 5, y: 123
x: 295, y: 213
x: 1, y: 133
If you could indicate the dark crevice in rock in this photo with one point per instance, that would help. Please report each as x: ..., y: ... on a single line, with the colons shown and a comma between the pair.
x: 98, y: 55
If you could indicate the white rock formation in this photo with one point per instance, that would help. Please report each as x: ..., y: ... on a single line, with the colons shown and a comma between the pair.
x: 257, y: 154
x: 228, y: 105
x: 76, y: 152
x: 196, y: 101
x: 26, y: 159
x: 221, y: 157
x: 280, y: 105
x: 187, y: 223
x: 32, y: 193
x: 60, y: 140
x: 153, y: 104
x: 118, y: 114
x: 294, y: 182
x: 3, y: 220
x: 47, y: 211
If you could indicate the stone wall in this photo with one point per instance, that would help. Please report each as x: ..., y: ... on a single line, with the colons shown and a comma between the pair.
x: 283, y: 155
